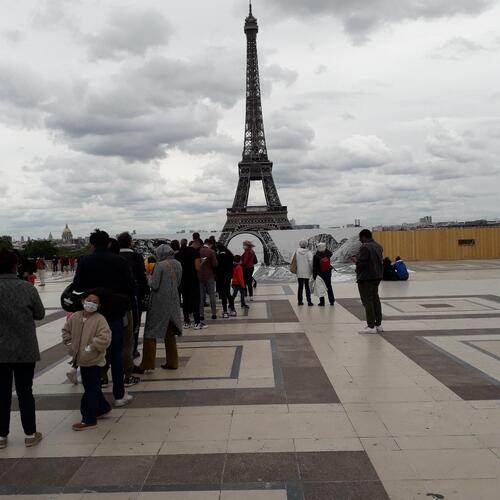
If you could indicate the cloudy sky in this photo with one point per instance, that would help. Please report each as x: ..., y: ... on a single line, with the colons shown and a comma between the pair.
x: 129, y: 114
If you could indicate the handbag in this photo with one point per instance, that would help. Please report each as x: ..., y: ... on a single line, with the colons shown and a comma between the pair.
x: 312, y: 284
x: 293, y: 265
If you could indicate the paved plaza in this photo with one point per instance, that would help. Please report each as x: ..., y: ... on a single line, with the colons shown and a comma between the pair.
x: 289, y: 402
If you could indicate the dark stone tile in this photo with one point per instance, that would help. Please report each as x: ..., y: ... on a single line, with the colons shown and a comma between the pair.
x: 49, y: 318
x: 28, y: 474
x: 311, y: 396
x: 164, y: 399
x: 259, y: 396
x: 6, y: 465
x: 336, y: 466
x: 62, y: 402
x: 367, y: 490
x: 212, y: 397
x: 306, y: 378
x: 295, y: 358
x: 282, y: 312
x: 51, y: 356
x: 112, y: 471
x: 187, y: 469
x: 471, y: 393
x: 260, y: 467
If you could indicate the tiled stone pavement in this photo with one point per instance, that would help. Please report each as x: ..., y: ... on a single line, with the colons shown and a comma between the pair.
x: 292, y: 403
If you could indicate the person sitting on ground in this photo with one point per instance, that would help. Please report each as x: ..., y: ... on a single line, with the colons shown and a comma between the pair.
x: 304, y: 263
x: 238, y: 281
x: 322, y: 267
x: 402, y: 273
x: 87, y: 336
x: 389, y: 270
x: 20, y: 306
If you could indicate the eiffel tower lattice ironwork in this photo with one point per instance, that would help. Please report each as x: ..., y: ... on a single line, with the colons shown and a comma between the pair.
x: 255, y: 166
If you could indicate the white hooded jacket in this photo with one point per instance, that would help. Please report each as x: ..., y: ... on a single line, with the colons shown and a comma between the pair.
x: 304, y: 263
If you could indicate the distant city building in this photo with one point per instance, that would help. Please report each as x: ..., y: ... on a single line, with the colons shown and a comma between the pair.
x: 67, y: 235
x: 427, y: 220
x: 50, y: 237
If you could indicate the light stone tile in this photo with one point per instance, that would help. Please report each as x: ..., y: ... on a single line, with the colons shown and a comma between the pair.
x: 329, y: 444
x: 206, y: 410
x: 380, y: 443
x: 260, y: 445
x: 261, y: 426
x: 468, y: 489
x: 367, y: 424
x: 489, y: 440
x: 200, y: 427
x: 448, y: 464
x: 16, y: 449
x: 320, y: 425
x: 117, y: 449
x: 316, y: 408
x: 139, y: 430
x: 438, y: 442
x: 408, y: 489
x: 164, y: 413
x: 193, y: 447
x: 245, y: 409
x: 391, y: 465
x: 254, y: 495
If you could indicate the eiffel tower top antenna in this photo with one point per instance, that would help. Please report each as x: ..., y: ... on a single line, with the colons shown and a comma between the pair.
x: 250, y: 7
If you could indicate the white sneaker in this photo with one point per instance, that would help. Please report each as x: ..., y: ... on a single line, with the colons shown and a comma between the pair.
x: 187, y: 326
x: 380, y: 329
x: 200, y: 326
x: 72, y: 376
x: 127, y: 399
x: 368, y: 330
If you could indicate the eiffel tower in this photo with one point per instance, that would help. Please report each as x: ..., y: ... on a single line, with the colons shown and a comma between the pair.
x: 255, y: 166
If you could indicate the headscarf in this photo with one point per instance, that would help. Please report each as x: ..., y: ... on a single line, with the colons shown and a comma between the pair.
x: 303, y: 243
x: 164, y: 252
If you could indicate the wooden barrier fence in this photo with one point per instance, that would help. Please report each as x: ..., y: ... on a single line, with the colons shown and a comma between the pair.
x: 441, y: 244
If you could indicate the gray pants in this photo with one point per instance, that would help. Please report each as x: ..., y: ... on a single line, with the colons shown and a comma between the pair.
x: 368, y: 291
x: 207, y: 287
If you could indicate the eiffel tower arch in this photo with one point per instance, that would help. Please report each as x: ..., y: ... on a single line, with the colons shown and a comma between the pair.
x: 255, y: 166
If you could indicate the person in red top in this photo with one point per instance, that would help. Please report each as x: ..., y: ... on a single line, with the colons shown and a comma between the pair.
x: 238, y: 281
x: 248, y: 261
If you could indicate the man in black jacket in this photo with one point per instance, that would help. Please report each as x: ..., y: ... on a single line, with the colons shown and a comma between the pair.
x: 141, y: 287
x: 111, y: 274
x: 369, y: 273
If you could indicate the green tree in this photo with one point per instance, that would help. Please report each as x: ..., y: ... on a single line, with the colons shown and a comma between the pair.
x: 43, y: 248
x: 5, y: 242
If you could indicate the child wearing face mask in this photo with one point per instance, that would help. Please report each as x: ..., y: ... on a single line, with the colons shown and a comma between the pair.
x: 87, y: 336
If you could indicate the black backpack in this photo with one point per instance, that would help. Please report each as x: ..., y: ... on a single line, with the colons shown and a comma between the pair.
x: 71, y: 300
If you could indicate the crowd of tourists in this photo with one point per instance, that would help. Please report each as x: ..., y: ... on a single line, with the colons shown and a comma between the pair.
x: 111, y: 289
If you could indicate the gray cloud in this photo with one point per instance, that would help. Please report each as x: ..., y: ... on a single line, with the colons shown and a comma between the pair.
x: 13, y: 36
x: 457, y: 48
x: 360, y: 17
x: 129, y: 32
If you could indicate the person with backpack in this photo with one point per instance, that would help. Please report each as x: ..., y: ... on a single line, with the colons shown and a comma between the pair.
x: 248, y: 261
x: 322, y: 267
x: 400, y: 269
x: 302, y: 265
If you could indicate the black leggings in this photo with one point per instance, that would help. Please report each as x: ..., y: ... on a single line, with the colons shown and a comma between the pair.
x: 248, y: 276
